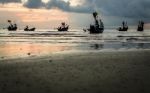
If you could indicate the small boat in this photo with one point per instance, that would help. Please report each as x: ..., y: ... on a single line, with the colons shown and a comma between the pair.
x: 12, y: 27
x: 98, y: 27
x: 63, y: 27
x: 124, y: 27
x: 31, y: 29
x: 140, y: 26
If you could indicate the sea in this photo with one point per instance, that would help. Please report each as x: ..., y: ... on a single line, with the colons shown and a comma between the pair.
x: 42, y: 42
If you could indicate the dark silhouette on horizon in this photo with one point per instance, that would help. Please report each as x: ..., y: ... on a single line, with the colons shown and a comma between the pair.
x: 140, y: 26
x: 27, y: 29
x: 63, y: 27
x: 12, y: 27
x: 124, y: 27
x: 98, y: 27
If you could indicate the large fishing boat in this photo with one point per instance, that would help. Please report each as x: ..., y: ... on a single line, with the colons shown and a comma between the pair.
x: 98, y: 27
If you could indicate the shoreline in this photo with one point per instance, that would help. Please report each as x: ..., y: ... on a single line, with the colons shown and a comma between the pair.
x: 75, y: 52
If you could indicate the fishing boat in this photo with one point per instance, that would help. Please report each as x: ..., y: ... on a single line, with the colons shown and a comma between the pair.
x: 140, y: 26
x: 29, y: 29
x: 63, y: 27
x: 124, y: 27
x: 11, y: 27
x: 98, y: 27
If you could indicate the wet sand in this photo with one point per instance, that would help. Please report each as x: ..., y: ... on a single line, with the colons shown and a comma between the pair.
x: 78, y: 72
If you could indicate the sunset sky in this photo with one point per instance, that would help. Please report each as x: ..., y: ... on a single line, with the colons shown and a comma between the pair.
x: 50, y: 13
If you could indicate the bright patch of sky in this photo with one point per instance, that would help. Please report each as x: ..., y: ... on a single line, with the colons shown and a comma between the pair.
x: 45, y: 1
x: 23, y: 1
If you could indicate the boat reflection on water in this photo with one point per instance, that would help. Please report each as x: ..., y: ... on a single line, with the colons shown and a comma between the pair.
x: 97, y: 46
x: 120, y: 46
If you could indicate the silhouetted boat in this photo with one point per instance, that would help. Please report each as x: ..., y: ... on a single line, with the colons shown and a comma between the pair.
x: 11, y: 27
x: 98, y: 27
x: 63, y: 27
x: 140, y: 26
x: 31, y: 29
x: 124, y: 27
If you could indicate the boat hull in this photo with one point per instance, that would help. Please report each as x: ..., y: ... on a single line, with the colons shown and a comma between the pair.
x: 32, y: 29
x: 95, y: 30
x: 140, y: 29
x: 122, y: 29
x: 12, y: 29
x: 63, y: 29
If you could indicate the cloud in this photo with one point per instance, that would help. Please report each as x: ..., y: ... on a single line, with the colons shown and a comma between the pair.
x: 10, y: 1
x: 34, y: 4
x: 121, y: 8
x: 124, y: 8
x: 66, y: 6
x: 63, y: 5
x: 58, y: 4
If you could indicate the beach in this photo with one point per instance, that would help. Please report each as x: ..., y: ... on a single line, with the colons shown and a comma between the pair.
x: 74, y: 46
x: 74, y: 62
x: 78, y: 72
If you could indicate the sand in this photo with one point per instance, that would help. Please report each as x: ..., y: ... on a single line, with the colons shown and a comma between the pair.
x: 79, y: 72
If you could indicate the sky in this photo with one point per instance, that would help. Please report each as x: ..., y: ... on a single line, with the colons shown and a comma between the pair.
x: 49, y: 14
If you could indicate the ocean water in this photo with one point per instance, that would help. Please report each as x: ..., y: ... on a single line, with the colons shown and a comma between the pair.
x: 14, y: 44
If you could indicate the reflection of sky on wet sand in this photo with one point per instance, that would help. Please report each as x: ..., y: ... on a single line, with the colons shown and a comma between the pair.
x: 22, y: 49
x: 26, y: 49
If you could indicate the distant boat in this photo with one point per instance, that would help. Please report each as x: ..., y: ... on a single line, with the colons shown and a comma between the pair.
x: 98, y: 27
x: 31, y: 29
x: 140, y: 26
x: 12, y: 27
x: 63, y: 27
x: 124, y: 27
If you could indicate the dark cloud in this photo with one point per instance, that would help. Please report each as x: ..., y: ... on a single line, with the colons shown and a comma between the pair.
x: 34, y: 4
x: 58, y: 4
x: 124, y: 8
x: 121, y: 8
x: 67, y: 7
x: 10, y: 1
